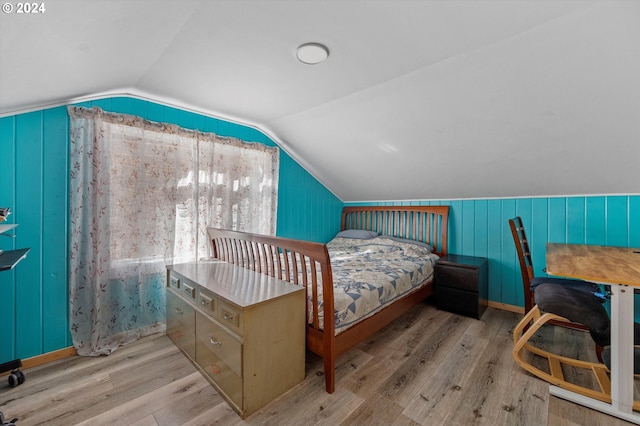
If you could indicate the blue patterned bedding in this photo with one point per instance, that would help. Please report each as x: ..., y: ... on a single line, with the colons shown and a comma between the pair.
x: 371, y: 274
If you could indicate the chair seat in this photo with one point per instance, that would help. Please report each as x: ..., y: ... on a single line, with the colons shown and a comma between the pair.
x: 576, y: 305
x: 567, y: 282
x: 580, y: 306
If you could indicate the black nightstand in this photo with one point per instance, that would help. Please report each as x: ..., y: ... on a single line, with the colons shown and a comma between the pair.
x: 461, y: 284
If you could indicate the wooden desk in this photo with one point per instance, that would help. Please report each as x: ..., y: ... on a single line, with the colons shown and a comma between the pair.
x: 620, y: 268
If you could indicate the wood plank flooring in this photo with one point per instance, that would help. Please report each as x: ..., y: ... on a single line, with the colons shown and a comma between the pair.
x: 429, y: 367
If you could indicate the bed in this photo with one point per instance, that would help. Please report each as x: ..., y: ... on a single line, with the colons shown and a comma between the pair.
x: 309, y: 264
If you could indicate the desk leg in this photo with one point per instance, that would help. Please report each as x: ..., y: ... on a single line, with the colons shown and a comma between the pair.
x: 622, y: 348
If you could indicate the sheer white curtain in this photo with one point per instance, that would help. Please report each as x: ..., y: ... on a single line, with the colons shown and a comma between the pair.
x: 141, y: 197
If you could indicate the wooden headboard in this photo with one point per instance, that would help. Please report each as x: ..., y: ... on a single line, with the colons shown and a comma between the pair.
x: 428, y: 224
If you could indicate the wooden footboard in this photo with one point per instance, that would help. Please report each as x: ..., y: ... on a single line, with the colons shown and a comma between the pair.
x: 307, y: 263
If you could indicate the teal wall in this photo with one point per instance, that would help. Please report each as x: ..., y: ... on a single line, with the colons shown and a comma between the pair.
x: 34, y: 157
x: 481, y: 228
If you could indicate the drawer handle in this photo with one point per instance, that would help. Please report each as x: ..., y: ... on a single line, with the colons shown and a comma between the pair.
x: 214, y: 341
x: 228, y: 317
x: 179, y: 312
x: 204, y: 302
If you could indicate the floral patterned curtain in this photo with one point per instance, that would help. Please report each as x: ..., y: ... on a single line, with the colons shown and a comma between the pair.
x: 141, y: 197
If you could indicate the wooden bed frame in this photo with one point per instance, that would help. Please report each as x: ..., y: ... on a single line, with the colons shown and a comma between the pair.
x: 305, y: 262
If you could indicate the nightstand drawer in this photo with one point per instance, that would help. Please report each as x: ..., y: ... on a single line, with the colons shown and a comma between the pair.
x: 461, y: 272
x: 455, y: 277
x: 460, y: 302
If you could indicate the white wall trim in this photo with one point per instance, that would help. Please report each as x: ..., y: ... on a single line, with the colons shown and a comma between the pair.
x: 514, y: 197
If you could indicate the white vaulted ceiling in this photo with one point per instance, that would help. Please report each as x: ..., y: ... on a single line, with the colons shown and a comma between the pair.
x: 417, y: 100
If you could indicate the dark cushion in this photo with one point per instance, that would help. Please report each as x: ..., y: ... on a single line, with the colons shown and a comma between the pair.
x: 606, y: 358
x: 575, y: 305
x: 581, y: 307
x: 577, y: 284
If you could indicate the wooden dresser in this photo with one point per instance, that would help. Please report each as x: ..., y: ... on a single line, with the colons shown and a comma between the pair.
x: 244, y: 331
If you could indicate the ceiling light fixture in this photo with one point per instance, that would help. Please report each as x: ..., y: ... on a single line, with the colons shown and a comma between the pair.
x: 312, y: 53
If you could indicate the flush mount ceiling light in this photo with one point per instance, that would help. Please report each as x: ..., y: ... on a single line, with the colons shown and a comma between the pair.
x: 312, y: 53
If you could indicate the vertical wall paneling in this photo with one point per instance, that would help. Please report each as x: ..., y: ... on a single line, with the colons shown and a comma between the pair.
x: 537, y: 233
x: 481, y: 229
x: 28, y: 210
x: 55, y: 170
x: 468, y: 222
x: 576, y: 220
x: 634, y: 221
x: 595, y: 224
x: 494, y: 247
x: 508, y: 283
x: 34, y: 175
x: 617, y: 225
x: 557, y: 231
x: 7, y: 199
x: 455, y: 227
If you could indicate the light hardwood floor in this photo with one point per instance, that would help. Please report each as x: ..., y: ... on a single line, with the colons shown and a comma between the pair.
x: 429, y: 367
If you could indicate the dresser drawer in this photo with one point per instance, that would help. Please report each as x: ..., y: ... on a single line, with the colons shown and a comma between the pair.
x: 207, y: 302
x: 187, y: 290
x: 181, y: 323
x: 228, y: 382
x: 220, y: 356
x: 230, y: 316
x: 218, y: 341
x: 173, y: 282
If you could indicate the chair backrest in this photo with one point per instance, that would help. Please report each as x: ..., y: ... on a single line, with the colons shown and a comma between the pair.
x: 524, y: 256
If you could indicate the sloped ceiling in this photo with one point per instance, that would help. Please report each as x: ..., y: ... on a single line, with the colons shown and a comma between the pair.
x: 417, y: 100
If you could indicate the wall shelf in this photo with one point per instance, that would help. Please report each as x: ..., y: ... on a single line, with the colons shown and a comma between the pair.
x: 5, y: 228
x: 10, y: 258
